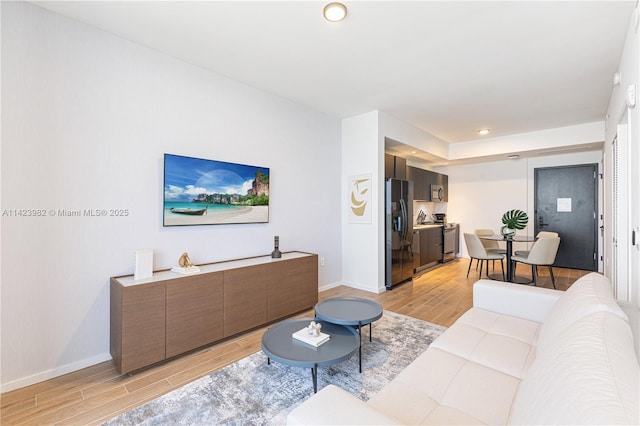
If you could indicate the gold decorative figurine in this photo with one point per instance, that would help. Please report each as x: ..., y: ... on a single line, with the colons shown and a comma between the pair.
x: 184, y: 261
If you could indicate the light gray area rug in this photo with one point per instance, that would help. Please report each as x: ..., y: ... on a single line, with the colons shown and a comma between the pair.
x: 252, y: 392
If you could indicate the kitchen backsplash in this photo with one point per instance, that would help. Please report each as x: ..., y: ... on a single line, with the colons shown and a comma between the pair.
x: 429, y: 208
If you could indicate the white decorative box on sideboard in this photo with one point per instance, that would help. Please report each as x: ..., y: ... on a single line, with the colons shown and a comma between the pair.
x: 169, y: 314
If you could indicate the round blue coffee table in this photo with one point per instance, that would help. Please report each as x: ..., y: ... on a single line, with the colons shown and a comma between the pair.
x: 350, y: 311
x: 279, y: 345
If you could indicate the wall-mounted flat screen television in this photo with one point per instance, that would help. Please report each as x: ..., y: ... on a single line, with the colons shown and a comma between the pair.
x: 208, y: 192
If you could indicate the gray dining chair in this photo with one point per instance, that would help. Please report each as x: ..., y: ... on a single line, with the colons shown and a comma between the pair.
x: 476, y: 250
x: 543, y: 253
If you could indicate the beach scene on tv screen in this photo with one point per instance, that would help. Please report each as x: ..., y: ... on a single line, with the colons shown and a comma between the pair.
x: 207, y: 192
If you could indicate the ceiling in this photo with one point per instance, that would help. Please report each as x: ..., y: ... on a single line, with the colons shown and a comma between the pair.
x: 447, y: 68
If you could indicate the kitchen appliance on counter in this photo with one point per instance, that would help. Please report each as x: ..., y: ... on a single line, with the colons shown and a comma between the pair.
x: 422, y: 218
x: 398, y: 231
x: 440, y: 218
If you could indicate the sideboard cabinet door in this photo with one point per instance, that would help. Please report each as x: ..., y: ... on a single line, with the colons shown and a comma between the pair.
x: 292, y: 286
x: 245, y: 298
x: 139, y: 325
x: 194, y: 312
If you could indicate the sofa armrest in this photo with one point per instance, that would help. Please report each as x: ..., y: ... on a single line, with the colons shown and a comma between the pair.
x: 335, y: 406
x: 530, y: 303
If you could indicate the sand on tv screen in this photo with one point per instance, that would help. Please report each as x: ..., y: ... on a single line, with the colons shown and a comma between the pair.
x: 209, y: 192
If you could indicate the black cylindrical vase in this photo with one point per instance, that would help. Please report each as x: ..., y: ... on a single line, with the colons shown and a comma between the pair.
x: 276, y: 253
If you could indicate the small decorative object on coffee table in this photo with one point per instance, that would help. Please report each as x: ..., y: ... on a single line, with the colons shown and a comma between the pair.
x: 314, y: 328
x: 312, y: 334
x: 276, y: 253
x: 349, y: 311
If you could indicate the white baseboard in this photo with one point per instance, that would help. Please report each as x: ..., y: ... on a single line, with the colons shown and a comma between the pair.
x: 329, y: 286
x: 55, y: 372
x: 367, y: 289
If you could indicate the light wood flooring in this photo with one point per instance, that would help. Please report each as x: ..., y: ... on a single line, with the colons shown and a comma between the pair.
x: 98, y: 393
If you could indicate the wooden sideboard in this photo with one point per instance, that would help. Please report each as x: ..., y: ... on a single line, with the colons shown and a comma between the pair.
x: 157, y: 318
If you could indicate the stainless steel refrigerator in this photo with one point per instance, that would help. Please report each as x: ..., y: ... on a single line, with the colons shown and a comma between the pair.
x: 398, y: 231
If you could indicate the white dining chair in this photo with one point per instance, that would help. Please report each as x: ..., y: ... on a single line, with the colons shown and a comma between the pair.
x: 492, y: 246
x: 543, y: 253
x: 541, y: 234
x: 476, y: 250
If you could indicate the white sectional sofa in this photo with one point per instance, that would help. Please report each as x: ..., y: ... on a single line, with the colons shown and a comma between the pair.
x: 521, y: 355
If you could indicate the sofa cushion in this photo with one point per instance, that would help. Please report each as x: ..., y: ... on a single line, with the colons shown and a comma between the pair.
x: 439, y: 383
x: 515, y: 300
x: 590, y: 293
x: 501, y: 342
x: 413, y: 407
x: 335, y: 406
x: 588, y: 376
x: 504, y: 325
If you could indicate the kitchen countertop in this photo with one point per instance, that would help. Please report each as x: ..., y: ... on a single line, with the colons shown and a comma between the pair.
x: 427, y: 226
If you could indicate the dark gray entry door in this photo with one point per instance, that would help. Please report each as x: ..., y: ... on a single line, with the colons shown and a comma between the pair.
x: 566, y: 200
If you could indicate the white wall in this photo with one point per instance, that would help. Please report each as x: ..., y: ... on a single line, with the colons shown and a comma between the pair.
x: 629, y: 69
x: 86, y: 118
x: 362, y: 265
x: 480, y: 193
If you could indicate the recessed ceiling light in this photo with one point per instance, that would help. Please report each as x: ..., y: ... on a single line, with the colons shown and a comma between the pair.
x: 513, y: 157
x: 483, y: 132
x: 335, y: 12
x: 413, y: 152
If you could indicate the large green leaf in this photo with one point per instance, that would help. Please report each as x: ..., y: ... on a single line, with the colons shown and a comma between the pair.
x: 515, y: 219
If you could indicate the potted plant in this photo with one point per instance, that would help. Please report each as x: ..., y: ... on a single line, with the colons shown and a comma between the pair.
x: 513, y: 220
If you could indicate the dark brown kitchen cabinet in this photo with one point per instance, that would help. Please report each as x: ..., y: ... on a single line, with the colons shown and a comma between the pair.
x: 416, y: 176
x: 430, y: 245
x: 422, y: 182
x: 395, y: 167
x: 415, y: 250
x: 430, y: 178
x: 434, y: 250
x: 401, y: 168
x: 389, y: 166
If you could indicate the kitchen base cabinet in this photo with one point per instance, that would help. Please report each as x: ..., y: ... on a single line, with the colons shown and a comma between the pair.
x: 430, y: 246
x: 424, y: 247
x: 434, y: 251
x: 415, y: 250
x: 157, y: 318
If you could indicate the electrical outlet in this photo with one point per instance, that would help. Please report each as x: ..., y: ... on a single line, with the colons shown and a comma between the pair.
x: 322, y: 261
